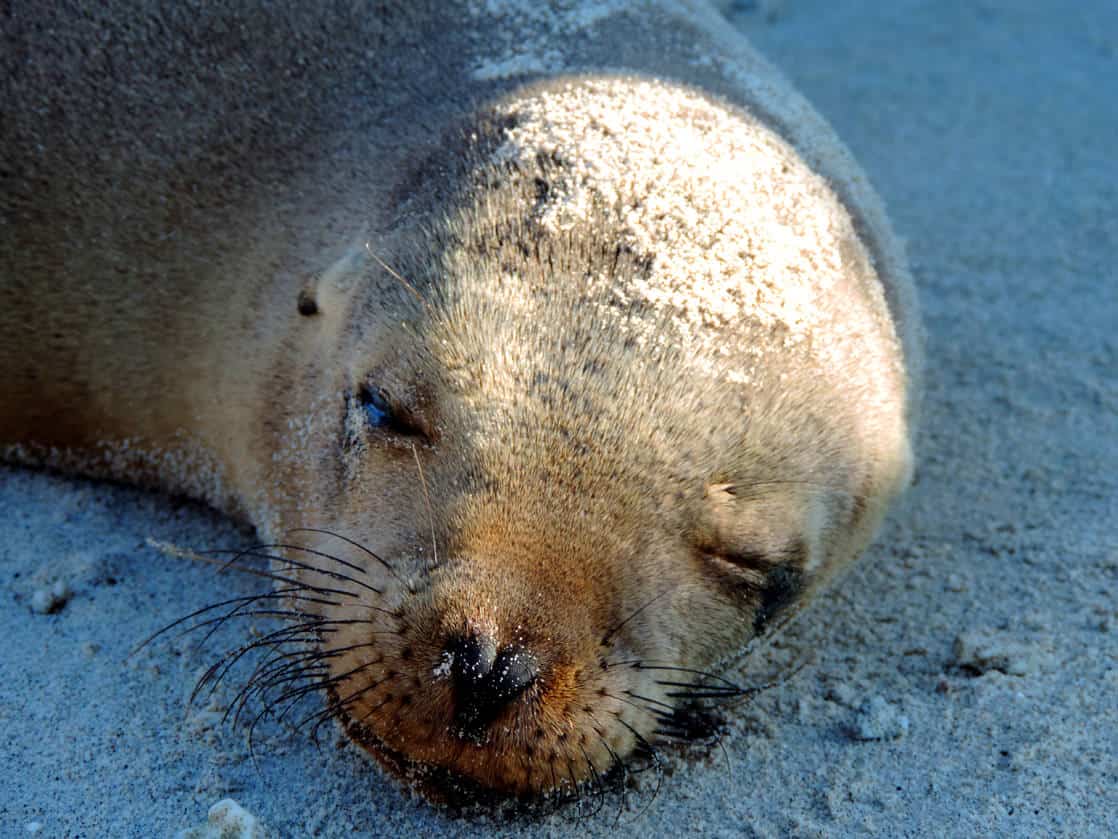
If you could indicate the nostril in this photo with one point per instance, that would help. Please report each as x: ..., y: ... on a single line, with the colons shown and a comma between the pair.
x: 472, y: 658
x: 486, y: 681
x: 513, y: 671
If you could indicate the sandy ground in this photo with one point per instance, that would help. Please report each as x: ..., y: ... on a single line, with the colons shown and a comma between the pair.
x: 979, y: 637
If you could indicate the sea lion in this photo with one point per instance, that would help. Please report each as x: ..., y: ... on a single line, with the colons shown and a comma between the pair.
x: 555, y: 350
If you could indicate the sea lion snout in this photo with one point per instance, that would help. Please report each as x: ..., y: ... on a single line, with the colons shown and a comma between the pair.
x: 486, y: 680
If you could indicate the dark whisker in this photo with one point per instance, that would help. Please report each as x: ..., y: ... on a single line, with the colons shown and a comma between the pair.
x: 275, y: 669
x: 576, y: 791
x: 666, y: 705
x: 277, y: 664
x: 632, y: 615
x: 596, y: 779
x: 242, y: 699
x: 722, y: 689
x: 639, y: 707
x: 292, y: 695
x: 637, y: 664
x: 217, y: 671
x: 348, y: 541
x: 334, y: 711
x: 256, y: 553
x: 289, y: 634
x: 336, y: 707
x: 305, y: 670
x: 654, y: 756
x: 702, y: 694
x: 618, y: 766
x: 379, y: 705
x: 290, y: 595
x: 268, y: 710
x: 286, y: 546
x: 246, y: 599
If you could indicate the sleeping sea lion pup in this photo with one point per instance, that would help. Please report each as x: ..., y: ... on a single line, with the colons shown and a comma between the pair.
x: 556, y: 352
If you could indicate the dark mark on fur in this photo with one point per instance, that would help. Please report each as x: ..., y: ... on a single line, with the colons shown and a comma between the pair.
x: 782, y: 586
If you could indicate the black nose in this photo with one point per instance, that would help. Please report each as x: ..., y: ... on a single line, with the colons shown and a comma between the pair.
x: 486, y: 680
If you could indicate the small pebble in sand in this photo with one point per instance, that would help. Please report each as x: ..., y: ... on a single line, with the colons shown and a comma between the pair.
x: 841, y: 694
x: 877, y: 719
x: 955, y: 583
x: 982, y: 650
x: 227, y: 820
x: 47, y: 601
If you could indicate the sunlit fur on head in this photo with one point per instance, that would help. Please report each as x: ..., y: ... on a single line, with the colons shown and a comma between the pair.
x: 544, y: 417
x: 626, y: 483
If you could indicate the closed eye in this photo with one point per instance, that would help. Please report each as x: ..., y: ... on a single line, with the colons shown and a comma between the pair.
x: 378, y: 410
x: 382, y: 414
x: 771, y: 583
x: 746, y: 567
x: 754, y: 567
x: 752, y: 560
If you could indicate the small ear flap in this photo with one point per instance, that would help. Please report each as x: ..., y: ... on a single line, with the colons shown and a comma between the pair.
x: 308, y: 302
x: 325, y: 292
x: 719, y: 491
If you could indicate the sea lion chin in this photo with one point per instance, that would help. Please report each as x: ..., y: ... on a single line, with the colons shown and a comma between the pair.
x: 611, y: 373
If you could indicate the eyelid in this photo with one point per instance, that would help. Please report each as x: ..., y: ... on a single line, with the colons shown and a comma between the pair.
x: 386, y: 414
x: 753, y: 560
x: 377, y: 406
x: 756, y: 565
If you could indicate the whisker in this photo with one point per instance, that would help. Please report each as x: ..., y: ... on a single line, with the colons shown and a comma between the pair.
x: 255, y: 552
x: 427, y: 502
x: 241, y: 702
x: 216, y: 673
x: 338, y: 705
x: 269, y: 679
x: 596, y: 780
x: 321, y: 554
x: 285, y: 635
x: 654, y: 756
x: 398, y: 277
x: 632, y: 615
x: 335, y: 709
x: 284, y: 595
x: 732, y: 689
x: 651, y: 700
x: 274, y: 670
x: 638, y: 664
x: 348, y: 541
x: 576, y: 791
x: 196, y: 613
x: 292, y: 695
x: 630, y: 702
x: 700, y: 695
x: 615, y: 764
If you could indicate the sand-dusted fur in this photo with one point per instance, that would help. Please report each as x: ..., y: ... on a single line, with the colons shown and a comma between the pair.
x: 578, y: 332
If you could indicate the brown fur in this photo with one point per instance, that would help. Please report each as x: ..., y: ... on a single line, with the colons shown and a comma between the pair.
x: 220, y: 232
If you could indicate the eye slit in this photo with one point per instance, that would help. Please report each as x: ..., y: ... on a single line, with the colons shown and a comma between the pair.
x: 739, y: 568
x: 745, y: 559
x: 378, y: 409
x: 383, y: 413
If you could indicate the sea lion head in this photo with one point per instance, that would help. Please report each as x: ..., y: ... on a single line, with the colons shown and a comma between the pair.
x: 566, y: 481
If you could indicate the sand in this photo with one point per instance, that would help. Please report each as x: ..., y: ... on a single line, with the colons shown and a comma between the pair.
x: 962, y: 680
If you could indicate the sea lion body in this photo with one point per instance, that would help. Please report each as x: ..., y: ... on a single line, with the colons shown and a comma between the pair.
x: 574, y: 336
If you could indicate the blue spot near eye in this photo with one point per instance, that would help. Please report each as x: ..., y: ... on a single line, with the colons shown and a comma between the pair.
x: 377, y: 410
